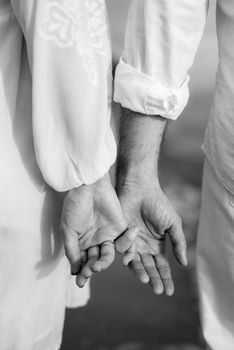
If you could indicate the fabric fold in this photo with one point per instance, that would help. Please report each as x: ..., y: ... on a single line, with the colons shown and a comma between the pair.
x: 137, y: 91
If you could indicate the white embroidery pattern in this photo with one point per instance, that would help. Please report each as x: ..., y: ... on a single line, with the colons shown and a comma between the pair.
x: 79, y: 24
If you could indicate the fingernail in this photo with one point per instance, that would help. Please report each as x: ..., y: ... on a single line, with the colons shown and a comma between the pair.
x: 81, y: 282
x: 125, y: 262
x: 96, y: 268
x: 145, y: 279
x: 170, y: 292
x: 185, y: 260
x: 73, y: 273
x: 158, y: 290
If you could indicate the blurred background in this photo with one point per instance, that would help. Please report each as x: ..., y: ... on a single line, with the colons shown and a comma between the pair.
x: 123, y: 314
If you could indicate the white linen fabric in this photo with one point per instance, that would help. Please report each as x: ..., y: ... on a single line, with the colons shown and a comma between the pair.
x: 215, y: 256
x: 162, y: 38
x: 161, y: 41
x: 69, y: 54
x: 219, y: 139
x: 144, y: 95
x: 55, y: 104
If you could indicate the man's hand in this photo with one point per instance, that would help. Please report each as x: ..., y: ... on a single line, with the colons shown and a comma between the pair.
x: 92, y: 219
x: 150, y: 210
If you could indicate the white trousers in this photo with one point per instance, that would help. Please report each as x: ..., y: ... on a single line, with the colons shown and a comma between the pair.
x: 35, y: 284
x: 215, y: 263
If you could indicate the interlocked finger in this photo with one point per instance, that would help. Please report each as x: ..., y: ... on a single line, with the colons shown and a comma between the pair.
x: 84, y: 256
x: 87, y: 270
x: 107, y: 256
x: 129, y: 256
x: 125, y: 241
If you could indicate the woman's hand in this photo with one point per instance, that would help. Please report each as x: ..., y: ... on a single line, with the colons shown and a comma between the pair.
x: 92, y: 219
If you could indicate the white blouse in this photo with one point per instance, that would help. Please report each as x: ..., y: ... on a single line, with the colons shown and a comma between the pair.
x: 68, y: 47
x: 55, y: 106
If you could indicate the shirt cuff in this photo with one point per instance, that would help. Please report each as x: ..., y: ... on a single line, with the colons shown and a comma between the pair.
x: 141, y: 93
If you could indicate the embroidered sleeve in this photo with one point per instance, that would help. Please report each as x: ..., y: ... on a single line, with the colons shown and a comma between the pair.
x: 80, y: 25
x: 70, y: 58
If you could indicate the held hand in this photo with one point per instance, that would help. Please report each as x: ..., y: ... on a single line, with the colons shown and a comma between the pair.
x: 150, y: 210
x: 92, y: 219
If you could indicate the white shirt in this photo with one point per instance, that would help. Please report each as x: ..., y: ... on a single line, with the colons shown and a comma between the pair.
x: 162, y: 38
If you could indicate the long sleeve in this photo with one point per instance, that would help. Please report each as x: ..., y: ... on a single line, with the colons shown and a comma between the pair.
x: 162, y: 37
x: 69, y: 54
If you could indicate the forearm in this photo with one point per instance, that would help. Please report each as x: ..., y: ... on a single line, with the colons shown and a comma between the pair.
x: 139, y: 147
x: 162, y: 38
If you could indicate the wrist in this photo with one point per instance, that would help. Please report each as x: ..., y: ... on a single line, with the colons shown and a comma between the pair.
x: 136, y: 181
x: 101, y: 183
x: 139, y: 148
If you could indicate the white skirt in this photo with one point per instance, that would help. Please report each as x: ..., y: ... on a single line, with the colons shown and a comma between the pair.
x: 35, y: 283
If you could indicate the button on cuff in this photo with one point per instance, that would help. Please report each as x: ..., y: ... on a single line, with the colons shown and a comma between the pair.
x: 137, y: 91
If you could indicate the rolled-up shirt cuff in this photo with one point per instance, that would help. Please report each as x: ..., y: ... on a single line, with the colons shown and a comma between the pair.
x: 141, y: 93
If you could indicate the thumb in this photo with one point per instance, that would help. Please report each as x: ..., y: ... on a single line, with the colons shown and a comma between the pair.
x: 72, y: 249
x: 129, y: 255
x: 179, y: 243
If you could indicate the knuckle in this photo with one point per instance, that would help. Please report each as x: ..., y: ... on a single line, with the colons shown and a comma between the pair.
x: 165, y: 271
x: 168, y: 281
x: 93, y: 254
x: 152, y: 271
x: 155, y: 281
x: 155, y: 277
x: 139, y: 269
x: 120, y: 249
x: 149, y: 265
